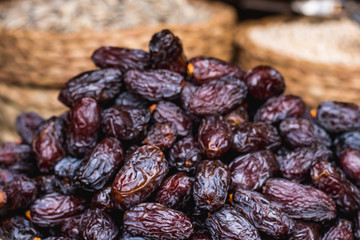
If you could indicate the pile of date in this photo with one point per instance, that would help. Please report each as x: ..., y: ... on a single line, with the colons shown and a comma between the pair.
x: 157, y: 146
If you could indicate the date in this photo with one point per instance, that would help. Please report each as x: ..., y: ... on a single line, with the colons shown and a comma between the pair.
x: 341, y: 230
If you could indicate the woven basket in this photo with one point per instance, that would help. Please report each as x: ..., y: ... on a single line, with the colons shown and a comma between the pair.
x: 314, y: 82
x: 35, y: 64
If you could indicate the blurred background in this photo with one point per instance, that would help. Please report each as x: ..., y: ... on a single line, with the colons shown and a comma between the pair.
x: 315, y: 44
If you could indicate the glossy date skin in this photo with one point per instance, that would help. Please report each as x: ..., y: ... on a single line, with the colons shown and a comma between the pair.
x: 237, y: 117
x: 154, y: 85
x: 250, y: 171
x: 185, y: 154
x: 328, y: 178
x: 348, y: 139
x: 168, y: 112
x: 161, y: 135
x: 215, y: 136
x: 264, y: 215
x: 101, y: 165
x: 155, y: 221
x: 121, y: 58
x: 20, y: 193
x: 212, y: 181
x: 306, y: 231
x: 17, y: 227
x: 217, y: 97
x: 336, y: 117
x: 49, y: 144
x: 54, y: 208
x: 254, y: 136
x: 341, y: 230
x: 65, y: 172
x: 83, y: 128
x: 139, y: 177
x: 102, y: 200
x: 27, y: 124
x: 300, y: 201
x: 350, y: 163
x: 11, y: 153
x: 131, y: 100
x: 264, y: 82
x: 102, y: 85
x: 175, y: 191
x: 96, y: 224
x: 228, y: 223
x: 206, y: 69
x: 278, y: 108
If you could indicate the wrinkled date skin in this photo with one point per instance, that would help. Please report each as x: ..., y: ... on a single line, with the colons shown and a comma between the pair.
x: 250, y: 171
x: 254, y: 136
x: 11, y: 153
x: 215, y: 136
x: 20, y: 193
x: 71, y: 228
x: 175, y: 191
x: 121, y: 58
x: 305, y: 231
x: 102, y: 200
x: 168, y: 112
x: 350, y: 162
x: 338, y: 117
x: 102, y: 85
x: 139, y: 177
x: 296, y: 164
x: 264, y: 82
x: 154, y: 85
x: 348, y: 139
x: 161, y: 135
x: 328, y: 178
x: 17, y: 227
x: 341, y: 230
x: 166, y: 52
x: 27, y: 124
x: 49, y: 144
x: 83, y: 128
x: 237, y: 117
x: 228, y: 223
x: 218, y: 97
x: 212, y: 180
x: 65, y: 171
x: 265, y: 216
x: 186, y: 94
x: 206, y: 69
x: 278, y: 108
x: 96, y: 224
x: 130, y: 100
x: 101, y: 165
x: 156, y: 221
x: 125, y: 122
x: 54, y: 208
x: 185, y: 154
x: 300, y: 201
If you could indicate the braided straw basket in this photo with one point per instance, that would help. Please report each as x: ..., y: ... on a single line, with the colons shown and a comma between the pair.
x: 34, y: 64
x: 317, y: 61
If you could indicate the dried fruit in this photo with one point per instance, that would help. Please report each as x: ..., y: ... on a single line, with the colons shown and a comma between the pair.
x: 27, y: 124
x: 350, y: 163
x: 305, y: 231
x: 237, y: 117
x: 20, y: 193
x: 96, y: 224
x: 161, y: 135
x: 342, y: 229
x: 11, y: 153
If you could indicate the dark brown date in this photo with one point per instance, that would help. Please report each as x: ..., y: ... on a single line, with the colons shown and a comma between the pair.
x: 83, y: 128
x: 348, y: 139
x: 161, y: 135
x: 200, y: 235
x: 206, y: 69
x: 49, y: 144
x: 102, y: 85
x: 170, y: 113
x: 237, y: 117
x: 215, y: 136
x: 27, y: 124
x: 305, y: 231
x: 186, y: 94
x: 278, y: 108
x: 212, y: 180
x: 65, y: 171
x: 155, y: 221
x: 228, y: 223
x: 125, y: 122
x: 102, y: 200
x: 45, y: 184
x: 264, y: 82
x: 338, y: 117
x: 101, y: 165
x: 341, y: 230
x: 300, y: 201
x: 254, y: 136
x: 350, y: 162
x: 296, y: 165
x: 250, y: 171
x: 185, y: 154
x: 166, y: 52
x: 7, y: 176
x: 130, y: 100
x: 328, y: 178
x: 71, y: 228
x: 20, y: 193
x: 11, y: 153
x: 139, y: 177
x: 175, y: 191
x: 96, y: 224
x: 154, y: 85
x: 218, y: 97
x: 54, y: 208
x: 264, y: 215
x: 121, y: 58
x: 18, y: 227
